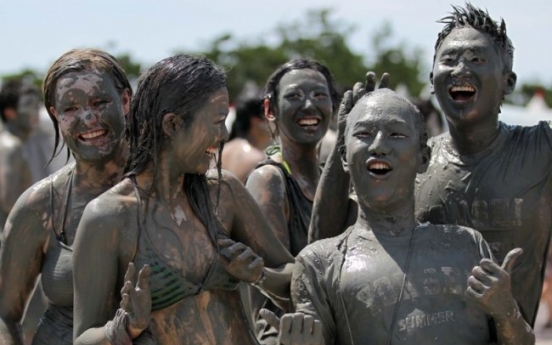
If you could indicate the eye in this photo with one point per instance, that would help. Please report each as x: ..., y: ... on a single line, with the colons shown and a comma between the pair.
x: 397, y: 135
x: 477, y: 60
x: 293, y: 95
x: 69, y: 109
x: 320, y: 95
x: 447, y: 60
x: 100, y: 102
x: 362, y: 134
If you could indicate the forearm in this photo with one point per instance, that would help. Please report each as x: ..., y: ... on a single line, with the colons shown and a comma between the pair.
x: 276, y: 285
x: 331, y: 203
x: 514, y: 330
x: 10, y: 332
x: 113, y: 333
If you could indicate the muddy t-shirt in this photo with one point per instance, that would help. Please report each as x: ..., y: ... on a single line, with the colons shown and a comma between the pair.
x: 352, y: 283
x: 503, y: 192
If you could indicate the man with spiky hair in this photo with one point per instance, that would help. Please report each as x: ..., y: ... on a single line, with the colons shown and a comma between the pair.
x: 483, y: 174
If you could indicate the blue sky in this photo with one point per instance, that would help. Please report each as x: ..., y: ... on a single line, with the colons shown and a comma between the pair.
x: 34, y: 32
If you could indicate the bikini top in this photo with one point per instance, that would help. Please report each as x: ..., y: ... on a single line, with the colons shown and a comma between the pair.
x: 167, y: 284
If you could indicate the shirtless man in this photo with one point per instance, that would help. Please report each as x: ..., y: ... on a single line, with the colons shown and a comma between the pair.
x: 484, y: 174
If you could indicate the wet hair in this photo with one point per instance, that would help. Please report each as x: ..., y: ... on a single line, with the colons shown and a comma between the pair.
x: 78, y: 60
x: 11, y: 92
x: 419, y: 119
x: 473, y: 17
x: 271, y: 88
x: 182, y: 85
x: 245, y: 111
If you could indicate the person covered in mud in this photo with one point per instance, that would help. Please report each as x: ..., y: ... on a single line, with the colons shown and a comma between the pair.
x: 300, y: 99
x: 19, y: 108
x: 249, y: 137
x: 484, y: 174
x: 194, y: 233
x: 87, y: 96
x: 388, y: 278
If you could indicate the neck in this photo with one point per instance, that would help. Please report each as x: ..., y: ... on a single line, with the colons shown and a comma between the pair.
x: 395, y: 223
x: 96, y: 178
x: 16, y: 131
x: 302, y: 160
x: 471, y: 139
x: 167, y: 186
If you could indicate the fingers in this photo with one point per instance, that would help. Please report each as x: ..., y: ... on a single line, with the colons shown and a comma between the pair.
x: 308, y: 324
x: 130, y: 273
x: 510, y: 259
x: 384, y: 82
x: 235, y: 249
x: 476, y: 285
x: 270, y: 318
x: 490, y: 267
x: 143, y: 278
x: 225, y: 242
x: 370, y: 82
x: 358, y: 92
x: 297, y: 324
x: 255, y: 264
x: 317, y: 330
x: 125, y: 303
x: 483, y: 276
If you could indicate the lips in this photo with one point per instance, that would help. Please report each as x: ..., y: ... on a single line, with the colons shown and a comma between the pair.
x: 212, y: 150
x: 309, y: 121
x: 462, y: 93
x: 379, y: 168
x: 91, y: 135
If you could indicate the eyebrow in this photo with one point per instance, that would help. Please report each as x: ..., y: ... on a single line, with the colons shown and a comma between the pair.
x: 455, y: 50
x: 368, y: 123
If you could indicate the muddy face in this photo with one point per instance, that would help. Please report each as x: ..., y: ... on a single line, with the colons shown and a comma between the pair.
x: 304, y: 106
x: 468, y: 76
x: 91, y: 114
x: 383, y: 151
x: 194, y: 147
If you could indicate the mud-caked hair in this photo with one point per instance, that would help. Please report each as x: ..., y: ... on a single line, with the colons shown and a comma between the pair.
x: 182, y: 85
x: 419, y: 120
x: 12, y: 90
x: 271, y: 88
x: 470, y: 16
x: 78, y: 60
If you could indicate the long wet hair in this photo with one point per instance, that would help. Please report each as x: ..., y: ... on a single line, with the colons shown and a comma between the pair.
x: 271, y: 89
x: 182, y: 85
x: 476, y: 18
x: 78, y: 60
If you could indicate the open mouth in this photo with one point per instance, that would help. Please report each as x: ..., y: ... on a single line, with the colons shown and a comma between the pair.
x: 379, y: 168
x: 462, y: 93
x: 87, y: 136
x: 308, y: 122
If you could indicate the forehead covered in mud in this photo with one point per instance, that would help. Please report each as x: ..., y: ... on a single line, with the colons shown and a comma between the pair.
x: 384, y: 104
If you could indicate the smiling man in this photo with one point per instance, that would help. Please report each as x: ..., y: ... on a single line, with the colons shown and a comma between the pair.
x: 484, y: 174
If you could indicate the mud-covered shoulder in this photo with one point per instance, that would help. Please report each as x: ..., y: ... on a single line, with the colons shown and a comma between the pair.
x: 323, y: 252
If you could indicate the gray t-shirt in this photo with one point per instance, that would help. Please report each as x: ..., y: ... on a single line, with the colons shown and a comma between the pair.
x: 504, y: 192
x: 352, y: 284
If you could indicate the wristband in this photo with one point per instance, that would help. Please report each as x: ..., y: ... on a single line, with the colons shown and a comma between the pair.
x: 116, y: 330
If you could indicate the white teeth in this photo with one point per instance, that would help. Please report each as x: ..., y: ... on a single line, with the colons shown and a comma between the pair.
x: 309, y: 122
x: 379, y: 166
x: 94, y: 134
x: 462, y: 89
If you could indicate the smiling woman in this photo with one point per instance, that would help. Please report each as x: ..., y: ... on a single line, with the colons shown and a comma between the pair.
x: 86, y: 94
x: 195, y: 233
x: 300, y: 99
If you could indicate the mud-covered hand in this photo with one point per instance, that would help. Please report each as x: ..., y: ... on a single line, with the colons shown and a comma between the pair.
x: 351, y: 97
x: 240, y: 261
x: 136, y: 299
x: 295, y: 328
x: 490, y: 286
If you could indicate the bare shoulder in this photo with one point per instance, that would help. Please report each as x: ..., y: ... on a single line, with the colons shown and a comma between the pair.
x: 266, y: 175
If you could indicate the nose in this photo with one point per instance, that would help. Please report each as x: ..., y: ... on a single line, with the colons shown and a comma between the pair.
x: 89, y: 117
x: 308, y: 104
x: 461, y: 70
x: 380, y: 146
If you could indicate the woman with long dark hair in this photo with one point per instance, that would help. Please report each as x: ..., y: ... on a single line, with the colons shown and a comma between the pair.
x: 194, y: 233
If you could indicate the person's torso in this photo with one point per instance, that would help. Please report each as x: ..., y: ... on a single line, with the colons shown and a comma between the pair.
x: 504, y: 193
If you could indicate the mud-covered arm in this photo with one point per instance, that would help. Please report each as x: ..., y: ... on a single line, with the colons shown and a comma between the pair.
x: 21, y: 255
x: 12, y: 178
x: 98, y: 254
x: 309, y: 295
x: 250, y: 227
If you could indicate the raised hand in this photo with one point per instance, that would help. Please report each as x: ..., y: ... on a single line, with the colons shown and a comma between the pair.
x: 351, y: 97
x: 240, y: 261
x: 295, y: 329
x: 136, y: 300
x: 490, y: 286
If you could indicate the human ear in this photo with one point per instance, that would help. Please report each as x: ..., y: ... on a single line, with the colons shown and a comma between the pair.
x: 343, y: 155
x: 425, y: 155
x: 10, y: 114
x: 171, y: 124
x: 125, y: 98
x: 431, y: 83
x: 268, y: 114
x: 53, y: 112
x: 511, y: 79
